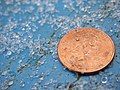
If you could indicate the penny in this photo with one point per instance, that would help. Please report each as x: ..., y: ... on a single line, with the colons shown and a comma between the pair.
x: 86, y: 50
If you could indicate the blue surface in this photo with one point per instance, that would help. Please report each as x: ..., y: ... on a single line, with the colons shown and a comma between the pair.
x: 30, y: 31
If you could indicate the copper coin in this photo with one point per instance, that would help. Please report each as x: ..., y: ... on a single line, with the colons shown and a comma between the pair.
x: 86, y: 50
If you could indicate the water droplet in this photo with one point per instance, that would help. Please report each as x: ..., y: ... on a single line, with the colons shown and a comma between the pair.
x: 23, y: 29
x: 10, y: 83
x: 40, y: 62
x: 20, y: 61
x: 86, y: 53
x: 54, y: 67
x: 9, y: 53
x: 33, y: 53
x: 64, y: 68
x: 104, y: 80
x: 111, y: 30
x: 34, y: 87
x: 65, y: 6
x: 41, y: 78
x: 77, y: 39
x: 22, y: 83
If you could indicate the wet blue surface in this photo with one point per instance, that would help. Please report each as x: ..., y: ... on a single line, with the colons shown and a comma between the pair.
x: 30, y: 31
